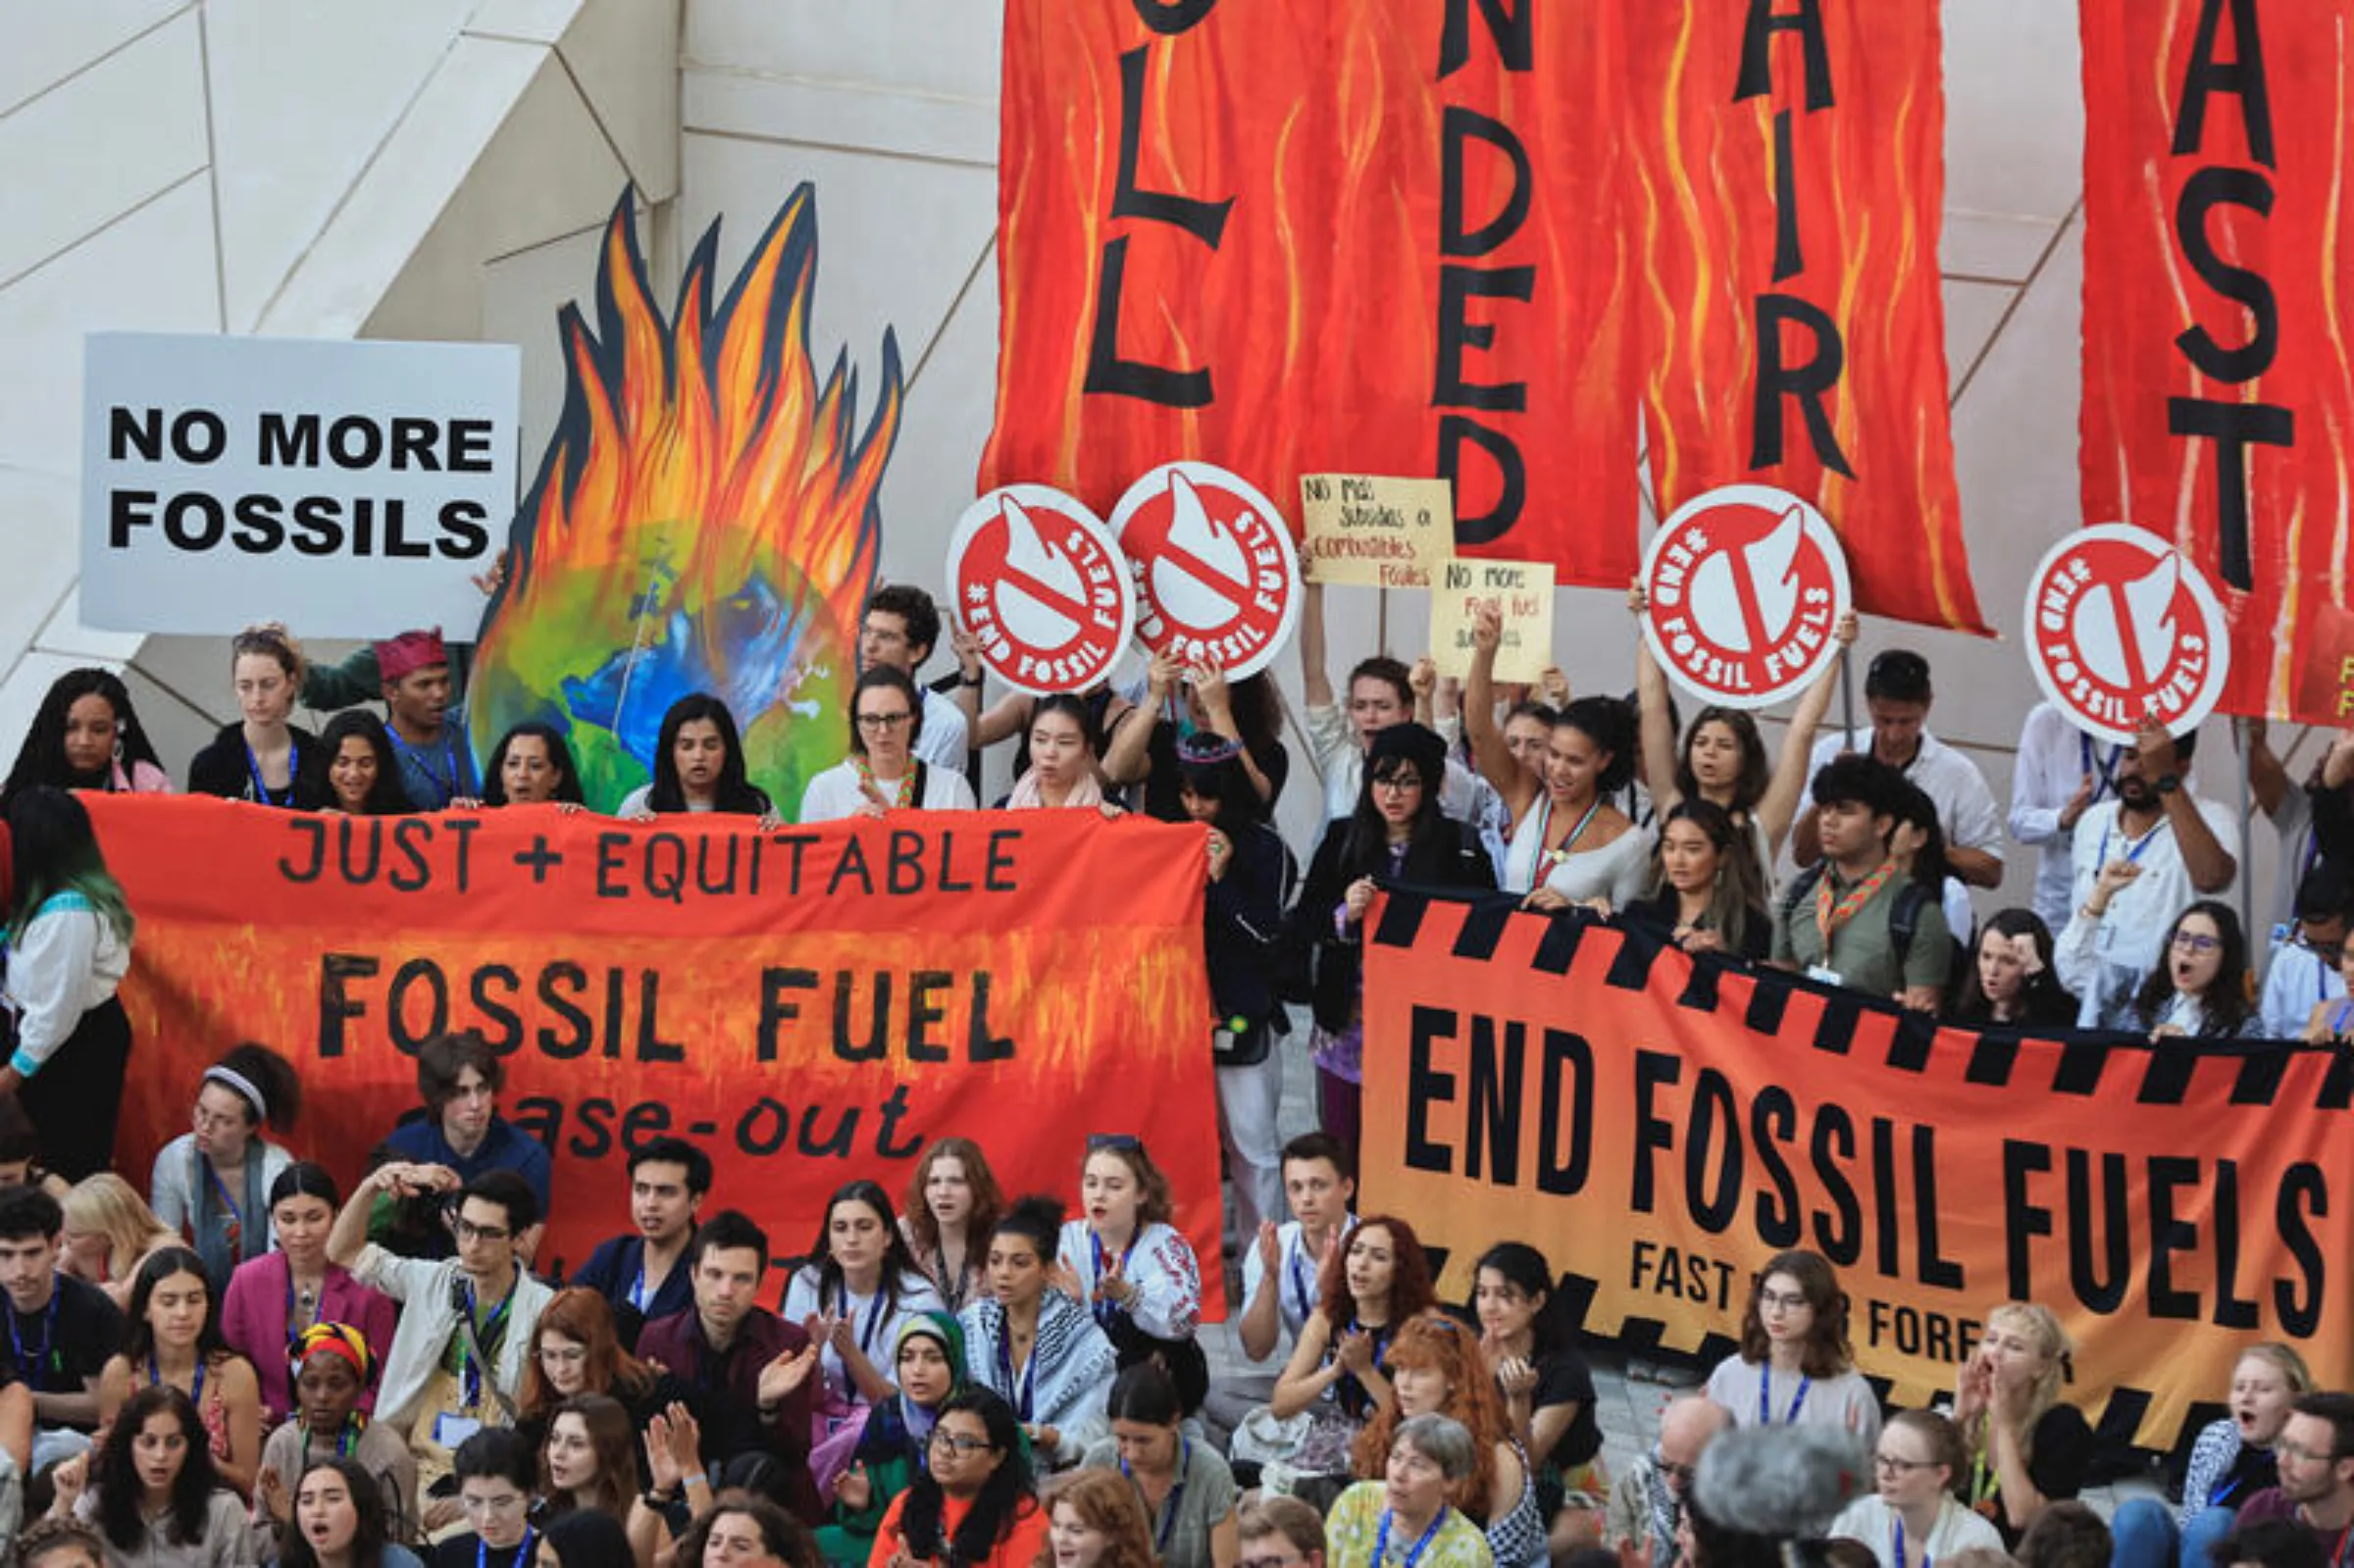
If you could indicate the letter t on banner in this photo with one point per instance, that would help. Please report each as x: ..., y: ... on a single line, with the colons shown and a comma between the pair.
x: 2218, y: 385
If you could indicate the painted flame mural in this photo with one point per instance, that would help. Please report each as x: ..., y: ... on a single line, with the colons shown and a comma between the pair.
x: 2218, y: 320
x: 704, y: 519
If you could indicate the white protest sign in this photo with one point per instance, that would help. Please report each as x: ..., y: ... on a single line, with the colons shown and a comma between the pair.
x: 349, y: 488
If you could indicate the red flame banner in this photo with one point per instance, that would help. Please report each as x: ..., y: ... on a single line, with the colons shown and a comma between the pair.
x: 1791, y: 182
x: 2219, y: 257
x: 1379, y: 237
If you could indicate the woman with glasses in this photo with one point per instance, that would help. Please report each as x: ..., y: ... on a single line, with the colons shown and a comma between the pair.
x: 882, y: 773
x: 2200, y: 988
x: 928, y: 1365
x: 1410, y: 1514
x: 1396, y: 834
x: 1188, y: 1493
x: 577, y: 1352
x: 259, y: 758
x: 1913, y: 1518
x: 973, y: 1506
x: 2230, y: 1461
x: 1795, y: 1363
x: 213, y: 1185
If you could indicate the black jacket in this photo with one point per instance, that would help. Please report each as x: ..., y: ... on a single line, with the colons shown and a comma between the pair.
x: 1447, y: 857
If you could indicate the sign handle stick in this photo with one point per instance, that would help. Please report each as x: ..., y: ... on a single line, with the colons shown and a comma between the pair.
x: 2247, y: 814
x: 1381, y: 623
x: 1847, y: 691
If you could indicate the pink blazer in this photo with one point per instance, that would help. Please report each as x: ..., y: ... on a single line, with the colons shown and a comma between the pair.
x: 253, y: 1320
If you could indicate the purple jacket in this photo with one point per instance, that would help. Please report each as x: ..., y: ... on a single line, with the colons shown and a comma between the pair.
x: 723, y: 1390
x: 253, y: 1320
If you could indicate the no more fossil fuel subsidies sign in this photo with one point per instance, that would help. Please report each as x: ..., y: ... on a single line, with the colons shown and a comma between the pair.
x: 356, y: 486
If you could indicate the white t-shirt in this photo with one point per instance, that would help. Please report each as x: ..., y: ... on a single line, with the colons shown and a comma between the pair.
x: 942, y: 743
x: 1873, y: 1522
x: 2053, y: 756
x: 1299, y: 1280
x: 2125, y: 945
x: 834, y: 794
x: 1782, y: 1398
x: 1965, y: 807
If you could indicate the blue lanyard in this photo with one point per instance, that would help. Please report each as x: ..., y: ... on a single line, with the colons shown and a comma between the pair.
x: 482, y: 1331
x: 237, y: 1216
x: 1414, y: 1554
x: 1900, y: 1545
x: 154, y: 1379
x: 1024, y: 1394
x: 1175, y: 1499
x: 874, y: 1318
x: 294, y: 1327
x: 1110, y: 1312
x: 2133, y: 847
x: 450, y: 754
x: 1764, y: 1388
x: 1301, y: 1280
x: 523, y: 1553
x: 44, y: 1353
x: 261, y: 790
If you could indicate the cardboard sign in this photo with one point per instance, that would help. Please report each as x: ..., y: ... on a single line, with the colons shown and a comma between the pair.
x: 1216, y: 579
x: 1369, y: 532
x: 1038, y: 579
x: 233, y: 479
x: 1521, y: 590
x: 1745, y: 586
x: 2121, y: 624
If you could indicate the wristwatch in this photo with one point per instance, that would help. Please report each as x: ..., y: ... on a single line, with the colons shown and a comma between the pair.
x: 2167, y: 783
x: 964, y: 679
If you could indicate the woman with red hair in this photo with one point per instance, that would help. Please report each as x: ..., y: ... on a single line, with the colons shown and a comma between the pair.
x: 1436, y: 1369
x: 576, y: 1351
x: 1338, y: 1373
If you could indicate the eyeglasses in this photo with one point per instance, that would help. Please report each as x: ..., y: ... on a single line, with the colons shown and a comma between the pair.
x: 1890, y: 1464
x: 505, y: 1502
x: 943, y: 1438
x: 2197, y: 942
x: 2282, y: 1449
x: 881, y: 723
x: 1780, y: 1302
x: 468, y: 1230
x: 1396, y: 784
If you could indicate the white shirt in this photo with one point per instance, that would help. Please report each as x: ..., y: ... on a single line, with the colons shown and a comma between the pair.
x: 834, y: 794
x: 1168, y: 1303
x: 429, y: 1317
x: 1758, y: 1395
x: 942, y: 743
x: 2295, y: 982
x: 2053, y: 756
x: 1299, y: 1276
x: 1965, y: 807
x: 68, y: 961
x: 1873, y: 1522
x: 876, y: 1330
x: 2124, y: 947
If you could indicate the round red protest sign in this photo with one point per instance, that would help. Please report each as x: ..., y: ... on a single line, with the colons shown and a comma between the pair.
x: 1038, y: 582
x: 2120, y: 625
x: 1216, y: 579
x: 1745, y: 584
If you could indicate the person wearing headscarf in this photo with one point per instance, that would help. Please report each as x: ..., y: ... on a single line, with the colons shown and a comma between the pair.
x: 332, y: 1364
x: 428, y: 732
x: 928, y: 1363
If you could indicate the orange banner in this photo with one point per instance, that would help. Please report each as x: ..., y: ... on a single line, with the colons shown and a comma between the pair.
x: 1379, y: 237
x: 2218, y: 319
x: 1661, y: 1127
x: 1790, y: 163
x: 809, y: 1005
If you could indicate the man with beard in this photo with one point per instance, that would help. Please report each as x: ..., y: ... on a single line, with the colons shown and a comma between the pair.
x: 2179, y: 848
x: 2315, y: 1455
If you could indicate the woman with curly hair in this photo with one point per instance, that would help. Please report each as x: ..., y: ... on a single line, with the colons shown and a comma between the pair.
x: 1338, y: 1373
x: 1436, y: 1369
x: 974, y: 1505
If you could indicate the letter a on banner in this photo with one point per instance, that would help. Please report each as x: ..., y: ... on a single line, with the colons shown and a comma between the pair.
x: 1791, y: 164
x: 2218, y: 319
x: 1384, y: 236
